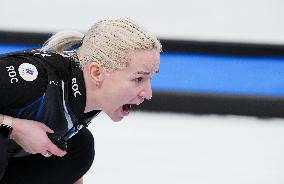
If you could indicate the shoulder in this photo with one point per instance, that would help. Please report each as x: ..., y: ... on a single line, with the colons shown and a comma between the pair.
x: 20, y: 68
x: 42, y: 60
x: 35, y: 57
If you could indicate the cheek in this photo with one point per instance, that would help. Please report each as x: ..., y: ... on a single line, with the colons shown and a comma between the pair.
x: 120, y: 94
x: 127, y: 93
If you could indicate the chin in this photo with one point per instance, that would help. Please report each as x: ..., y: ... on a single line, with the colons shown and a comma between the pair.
x: 119, y: 113
x: 115, y: 117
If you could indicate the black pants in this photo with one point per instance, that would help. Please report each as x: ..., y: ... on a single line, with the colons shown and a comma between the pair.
x: 36, y: 169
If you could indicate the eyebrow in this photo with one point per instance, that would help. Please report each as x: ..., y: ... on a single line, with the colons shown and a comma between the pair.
x: 145, y: 73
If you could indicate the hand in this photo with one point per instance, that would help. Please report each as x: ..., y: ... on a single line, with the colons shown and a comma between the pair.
x: 31, y: 136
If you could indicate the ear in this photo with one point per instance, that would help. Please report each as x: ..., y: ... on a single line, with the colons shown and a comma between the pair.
x: 96, y: 72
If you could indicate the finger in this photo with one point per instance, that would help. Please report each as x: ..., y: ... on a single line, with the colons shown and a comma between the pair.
x: 46, y: 128
x: 46, y: 154
x: 53, y: 149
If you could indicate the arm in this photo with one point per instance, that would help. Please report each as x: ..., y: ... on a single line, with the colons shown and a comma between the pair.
x: 18, y: 89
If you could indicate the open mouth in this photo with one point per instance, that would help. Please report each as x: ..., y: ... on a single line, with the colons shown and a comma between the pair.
x: 126, y: 109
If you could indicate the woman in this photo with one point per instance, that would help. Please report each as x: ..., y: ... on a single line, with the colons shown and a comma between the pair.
x: 49, y: 90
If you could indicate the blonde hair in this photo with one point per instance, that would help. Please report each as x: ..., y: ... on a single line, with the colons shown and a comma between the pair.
x: 108, y: 42
x: 62, y: 40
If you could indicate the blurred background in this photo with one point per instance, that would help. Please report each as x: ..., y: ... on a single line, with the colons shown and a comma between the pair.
x: 218, y: 106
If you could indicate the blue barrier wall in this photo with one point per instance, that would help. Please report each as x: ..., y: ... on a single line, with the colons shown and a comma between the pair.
x: 209, y: 73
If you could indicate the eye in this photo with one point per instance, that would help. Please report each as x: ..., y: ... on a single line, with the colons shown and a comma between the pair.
x: 139, y: 79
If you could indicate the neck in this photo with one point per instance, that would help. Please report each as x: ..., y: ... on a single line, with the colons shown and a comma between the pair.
x: 91, y: 102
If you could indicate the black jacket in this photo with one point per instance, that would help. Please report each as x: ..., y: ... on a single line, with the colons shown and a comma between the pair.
x: 46, y: 87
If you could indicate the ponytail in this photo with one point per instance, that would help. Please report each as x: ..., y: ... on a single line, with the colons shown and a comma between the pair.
x: 62, y: 40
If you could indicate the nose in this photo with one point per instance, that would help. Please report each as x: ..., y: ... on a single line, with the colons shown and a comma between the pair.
x: 147, y: 91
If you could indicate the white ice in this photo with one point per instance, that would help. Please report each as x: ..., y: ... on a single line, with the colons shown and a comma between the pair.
x: 153, y: 148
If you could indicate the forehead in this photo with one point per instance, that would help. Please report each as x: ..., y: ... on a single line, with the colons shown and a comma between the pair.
x: 144, y: 60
